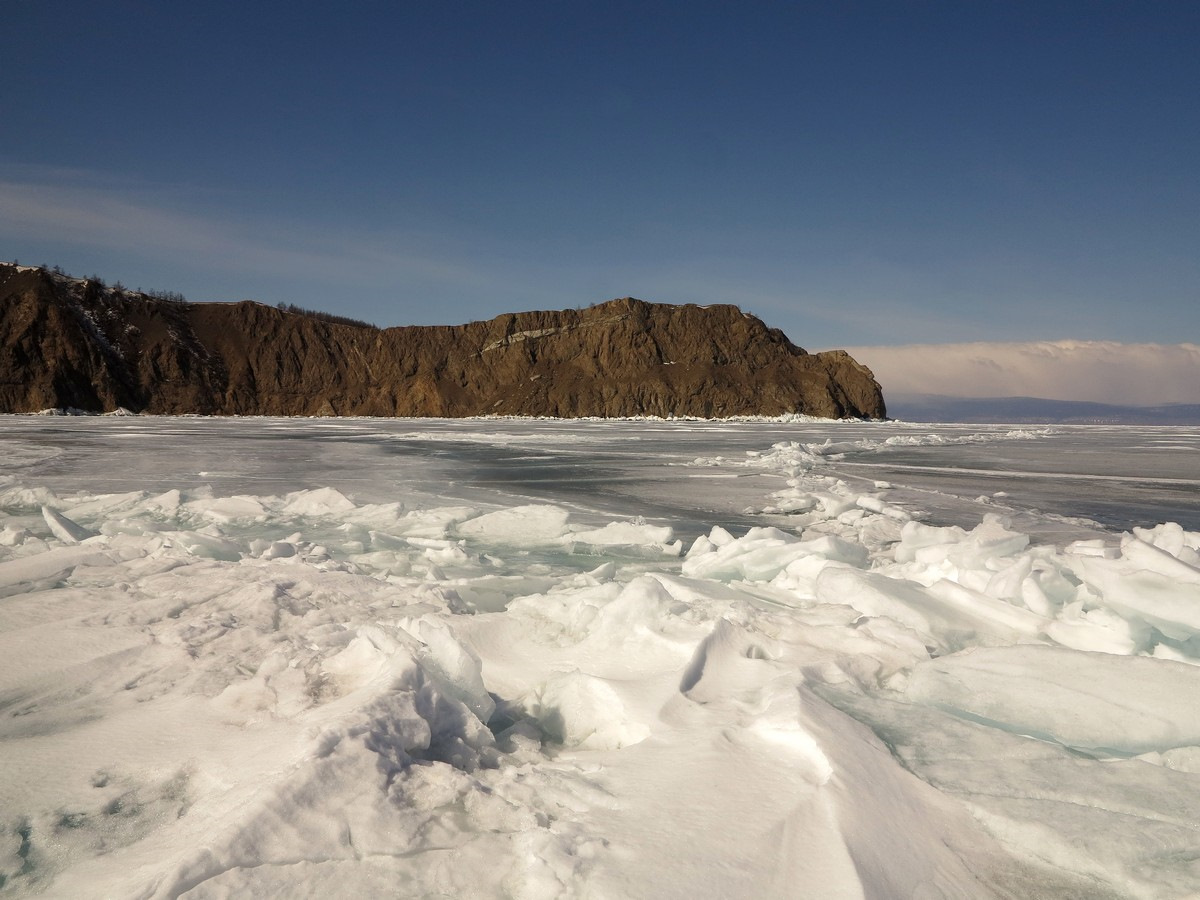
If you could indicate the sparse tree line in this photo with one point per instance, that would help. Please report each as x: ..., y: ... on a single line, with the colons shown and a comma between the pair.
x: 178, y: 298
x: 165, y: 296
x: 323, y: 316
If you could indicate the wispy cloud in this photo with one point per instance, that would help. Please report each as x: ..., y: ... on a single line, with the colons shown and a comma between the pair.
x: 69, y: 208
x: 1099, y: 371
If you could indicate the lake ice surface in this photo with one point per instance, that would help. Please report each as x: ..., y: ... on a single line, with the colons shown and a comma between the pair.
x: 514, y: 658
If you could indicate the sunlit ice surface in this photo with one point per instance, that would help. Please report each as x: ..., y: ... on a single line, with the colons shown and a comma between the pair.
x: 536, y: 658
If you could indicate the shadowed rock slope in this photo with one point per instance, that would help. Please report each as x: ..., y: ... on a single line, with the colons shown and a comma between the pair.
x: 74, y: 343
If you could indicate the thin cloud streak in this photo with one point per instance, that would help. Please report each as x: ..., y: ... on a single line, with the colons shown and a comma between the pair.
x: 107, y: 219
x: 1098, y: 371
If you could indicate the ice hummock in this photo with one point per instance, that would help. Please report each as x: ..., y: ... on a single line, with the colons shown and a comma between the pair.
x: 312, y: 692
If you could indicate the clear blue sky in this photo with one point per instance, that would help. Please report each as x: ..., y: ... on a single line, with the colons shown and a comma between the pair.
x: 855, y: 173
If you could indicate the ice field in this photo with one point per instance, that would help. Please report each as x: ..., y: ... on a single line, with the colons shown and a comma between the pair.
x: 597, y: 659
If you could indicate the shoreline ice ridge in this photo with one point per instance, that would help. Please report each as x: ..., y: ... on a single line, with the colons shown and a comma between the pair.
x: 304, y: 692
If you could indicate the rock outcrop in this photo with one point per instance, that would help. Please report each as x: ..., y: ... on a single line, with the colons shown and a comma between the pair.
x: 74, y: 343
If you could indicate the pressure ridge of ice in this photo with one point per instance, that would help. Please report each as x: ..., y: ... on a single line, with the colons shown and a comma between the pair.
x: 310, y: 694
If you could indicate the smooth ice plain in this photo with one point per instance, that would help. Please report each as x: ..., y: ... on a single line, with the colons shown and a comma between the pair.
x: 597, y: 659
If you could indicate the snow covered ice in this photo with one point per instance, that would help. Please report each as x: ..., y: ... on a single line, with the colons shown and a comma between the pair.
x: 500, y: 658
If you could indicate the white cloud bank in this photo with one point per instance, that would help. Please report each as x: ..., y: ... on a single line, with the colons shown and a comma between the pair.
x: 1098, y: 371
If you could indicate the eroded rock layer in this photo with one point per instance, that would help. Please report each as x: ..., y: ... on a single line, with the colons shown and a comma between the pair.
x: 74, y: 343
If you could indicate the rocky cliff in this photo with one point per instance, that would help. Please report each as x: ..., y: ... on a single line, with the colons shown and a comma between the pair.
x: 74, y: 343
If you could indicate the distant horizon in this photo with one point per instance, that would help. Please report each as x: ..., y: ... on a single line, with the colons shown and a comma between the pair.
x: 1136, y: 376
x: 1114, y: 372
x: 948, y: 409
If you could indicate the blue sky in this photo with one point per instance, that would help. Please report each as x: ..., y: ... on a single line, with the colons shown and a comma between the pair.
x: 855, y: 173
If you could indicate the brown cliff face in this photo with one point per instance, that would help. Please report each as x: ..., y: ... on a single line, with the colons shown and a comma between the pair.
x: 70, y: 343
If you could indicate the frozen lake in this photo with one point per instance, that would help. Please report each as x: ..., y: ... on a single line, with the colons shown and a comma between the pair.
x: 520, y: 658
x: 1117, y: 476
